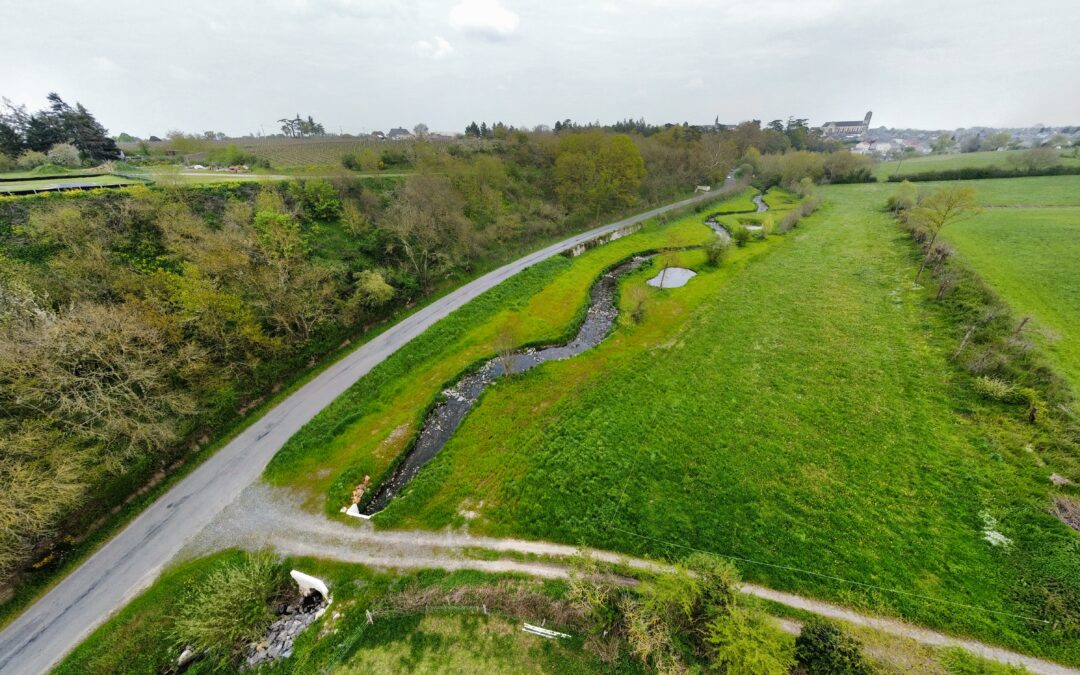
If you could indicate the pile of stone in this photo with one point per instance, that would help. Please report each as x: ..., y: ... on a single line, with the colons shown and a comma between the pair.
x: 295, y: 617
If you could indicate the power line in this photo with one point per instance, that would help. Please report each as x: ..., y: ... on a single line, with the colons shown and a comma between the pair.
x: 789, y: 568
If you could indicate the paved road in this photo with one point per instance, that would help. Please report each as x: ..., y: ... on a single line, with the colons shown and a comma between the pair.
x: 50, y: 628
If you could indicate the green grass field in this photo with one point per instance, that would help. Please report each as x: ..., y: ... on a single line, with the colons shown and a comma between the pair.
x: 1031, y: 257
x: 49, y: 184
x: 964, y: 160
x: 795, y: 407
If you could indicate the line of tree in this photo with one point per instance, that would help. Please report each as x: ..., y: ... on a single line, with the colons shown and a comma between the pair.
x: 57, y: 124
x: 298, y: 127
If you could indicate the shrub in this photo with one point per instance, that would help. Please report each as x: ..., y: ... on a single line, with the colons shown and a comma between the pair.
x: 747, y: 642
x: 230, y: 608
x: 232, y: 155
x: 824, y: 648
x: 318, y: 198
x: 740, y: 235
x: 30, y: 159
x: 903, y: 198
x: 789, y: 221
x: 716, y: 250
x: 65, y: 155
x: 767, y: 225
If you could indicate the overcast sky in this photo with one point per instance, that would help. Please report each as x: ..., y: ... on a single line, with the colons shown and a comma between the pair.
x: 357, y: 65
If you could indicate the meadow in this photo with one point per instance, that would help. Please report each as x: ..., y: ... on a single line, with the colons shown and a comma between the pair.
x: 962, y: 160
x: 1031, y: 257
x: 794, y: 408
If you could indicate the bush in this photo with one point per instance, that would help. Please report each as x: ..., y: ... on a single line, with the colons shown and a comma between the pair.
x: 30, y: 159
x: 232, y: 155
x: 903, y: 199
x: 318, y: 198
x: 65, y: 155
x: 824, y: 648
x: 747, y: 642
x: 740, y: 235
x: 716, y: 250
x: 994, y: 389
x: 230, y: 608
x: 393, y: 157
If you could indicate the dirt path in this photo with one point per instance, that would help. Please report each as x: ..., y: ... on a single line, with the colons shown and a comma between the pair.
x: 269, y: 517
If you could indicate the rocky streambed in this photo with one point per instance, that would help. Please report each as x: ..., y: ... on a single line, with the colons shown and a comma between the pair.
x: 458, y: 399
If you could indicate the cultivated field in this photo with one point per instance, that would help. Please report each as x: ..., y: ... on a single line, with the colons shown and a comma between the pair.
x: 795, y: 408
x: 956, y: 161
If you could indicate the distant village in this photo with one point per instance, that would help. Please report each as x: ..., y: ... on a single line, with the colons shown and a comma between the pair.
x: 886, y: 142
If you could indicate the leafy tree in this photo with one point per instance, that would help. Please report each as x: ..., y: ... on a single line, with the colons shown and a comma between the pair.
x: 372, y: 291
x: 11, y: 143
x: 996, y: 141
x: 943, y: 144
x: 597, y: 174
x: 823, y: 648
x: 1035, y: 159
x: 747, y: 642
x: 942, y: 208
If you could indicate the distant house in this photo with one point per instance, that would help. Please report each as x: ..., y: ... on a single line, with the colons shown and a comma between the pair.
x: 846, y: 128
x: 399, y: 134
x: 378, y: 135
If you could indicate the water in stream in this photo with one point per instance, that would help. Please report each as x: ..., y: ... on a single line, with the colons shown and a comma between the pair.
x: 444, y: 418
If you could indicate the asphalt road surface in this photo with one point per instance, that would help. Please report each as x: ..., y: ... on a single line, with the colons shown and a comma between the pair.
x: 131, y: 561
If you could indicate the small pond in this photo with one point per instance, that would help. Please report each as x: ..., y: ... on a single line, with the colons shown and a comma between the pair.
x: 672, y: 277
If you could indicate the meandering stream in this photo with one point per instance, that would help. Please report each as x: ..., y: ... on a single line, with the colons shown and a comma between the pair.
x: 446, y: 416
x: 722, y: 232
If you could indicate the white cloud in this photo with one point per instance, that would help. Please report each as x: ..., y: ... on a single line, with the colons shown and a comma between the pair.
x: 485, y: 18
x: 437, y: 48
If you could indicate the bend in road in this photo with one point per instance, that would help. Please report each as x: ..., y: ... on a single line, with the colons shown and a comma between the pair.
x: 130, y: 561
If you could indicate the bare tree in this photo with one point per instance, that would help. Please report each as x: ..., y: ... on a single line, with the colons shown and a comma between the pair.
x: 942, y: 208
x: 506, y: 340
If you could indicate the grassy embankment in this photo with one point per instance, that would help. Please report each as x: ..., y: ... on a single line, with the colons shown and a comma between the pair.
x: 802, y: 413
x: 948, y: 162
